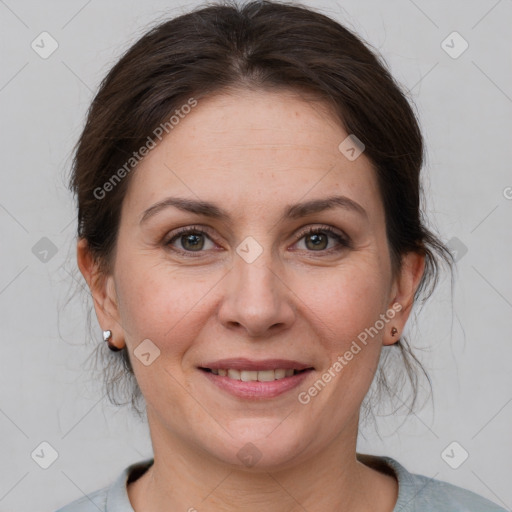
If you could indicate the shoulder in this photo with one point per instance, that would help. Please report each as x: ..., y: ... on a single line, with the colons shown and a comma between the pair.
x: 113, y: 498
x: 419, y: 493
x: 91, y: 503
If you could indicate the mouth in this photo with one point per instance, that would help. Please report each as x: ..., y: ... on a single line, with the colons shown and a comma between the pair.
x: 248, y: 379
x: 255, y: 375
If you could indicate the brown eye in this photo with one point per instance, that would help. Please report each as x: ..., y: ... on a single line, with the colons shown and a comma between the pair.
x: 317, y: 239
x: 190, y: 239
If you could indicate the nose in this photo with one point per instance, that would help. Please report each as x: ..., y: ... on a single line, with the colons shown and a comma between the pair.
x: 256, y: 299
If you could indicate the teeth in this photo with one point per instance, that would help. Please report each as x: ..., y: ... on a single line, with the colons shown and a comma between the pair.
x: 266, y: 376
x: 279, y: 374
x: 254, y: 375
x: 234, y: 374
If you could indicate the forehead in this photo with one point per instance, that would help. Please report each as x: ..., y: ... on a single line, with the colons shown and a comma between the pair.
x: 249, y: 147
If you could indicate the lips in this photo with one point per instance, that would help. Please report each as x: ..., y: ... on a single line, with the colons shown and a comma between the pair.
x: 249, y: 378
x: 256, y: 384
x: 254, y: 375
x: 242, y: 364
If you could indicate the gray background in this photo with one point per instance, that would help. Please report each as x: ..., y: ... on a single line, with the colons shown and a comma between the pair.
x: 465, y: 106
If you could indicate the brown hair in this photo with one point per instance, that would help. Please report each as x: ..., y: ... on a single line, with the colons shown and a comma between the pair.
x: 260, y: 45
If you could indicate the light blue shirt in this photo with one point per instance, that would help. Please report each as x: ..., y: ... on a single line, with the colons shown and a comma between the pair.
x: 416, y: 493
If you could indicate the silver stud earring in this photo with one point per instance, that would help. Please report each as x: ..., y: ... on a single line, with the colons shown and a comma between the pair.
x: 107, y: 336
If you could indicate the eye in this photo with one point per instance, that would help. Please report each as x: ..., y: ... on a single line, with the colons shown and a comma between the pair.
x: 317, y: 239
x: 191, y: 239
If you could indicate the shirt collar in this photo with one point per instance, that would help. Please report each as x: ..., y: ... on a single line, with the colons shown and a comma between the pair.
x: 117, y: 496
x: 118, y: 500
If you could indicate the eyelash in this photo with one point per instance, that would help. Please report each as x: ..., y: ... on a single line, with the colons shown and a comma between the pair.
x: 344, y: 241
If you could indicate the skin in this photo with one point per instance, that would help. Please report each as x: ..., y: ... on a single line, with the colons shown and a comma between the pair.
x: 253, y: 153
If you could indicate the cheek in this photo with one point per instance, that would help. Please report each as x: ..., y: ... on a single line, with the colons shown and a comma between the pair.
x: 159, y: 304
x: 345, y: 301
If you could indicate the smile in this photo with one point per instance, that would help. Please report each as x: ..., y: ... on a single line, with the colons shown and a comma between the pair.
x: 254, y: 375
x: 255, y: 384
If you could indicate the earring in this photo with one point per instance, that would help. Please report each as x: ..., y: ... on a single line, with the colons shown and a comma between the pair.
x: 394, y: 331
x: 107, y: 336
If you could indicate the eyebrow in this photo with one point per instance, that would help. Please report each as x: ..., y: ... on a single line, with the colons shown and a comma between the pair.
x: 295, y: 211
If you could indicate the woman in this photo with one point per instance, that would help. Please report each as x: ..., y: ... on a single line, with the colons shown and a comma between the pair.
x: 250, y: 230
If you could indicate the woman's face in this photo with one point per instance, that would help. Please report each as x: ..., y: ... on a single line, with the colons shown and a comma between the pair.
x: 254, y: 285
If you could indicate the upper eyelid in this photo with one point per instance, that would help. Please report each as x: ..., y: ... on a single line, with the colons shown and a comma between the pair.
x: 207, y: 230
x: 321, y: 227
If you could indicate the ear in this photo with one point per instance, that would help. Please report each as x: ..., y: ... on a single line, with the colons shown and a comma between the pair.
x: 103, y: 293
x: 403, y: 290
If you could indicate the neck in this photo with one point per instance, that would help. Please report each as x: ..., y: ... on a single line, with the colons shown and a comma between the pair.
x: 182, y: 478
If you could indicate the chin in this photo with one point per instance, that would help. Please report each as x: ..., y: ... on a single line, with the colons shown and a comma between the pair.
x: 260, y: 445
